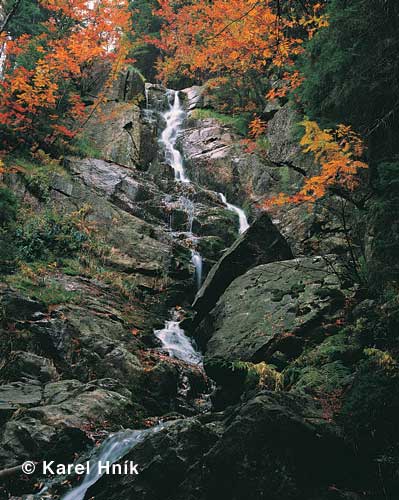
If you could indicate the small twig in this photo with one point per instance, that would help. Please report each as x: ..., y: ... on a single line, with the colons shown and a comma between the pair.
x: 9, y: 16
x: 290, y: 165
x: 232, y: 22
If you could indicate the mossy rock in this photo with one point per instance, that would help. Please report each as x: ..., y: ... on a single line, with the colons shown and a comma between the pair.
x: 326, y: 379
x: 371, y: 405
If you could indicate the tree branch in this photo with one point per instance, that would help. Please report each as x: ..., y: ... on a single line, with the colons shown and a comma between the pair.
x: 9, y: 16
x: 233, y: 22
x: 290, y: 165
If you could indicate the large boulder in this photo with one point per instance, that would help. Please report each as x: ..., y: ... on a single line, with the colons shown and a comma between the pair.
x: 273, y: 307
x: 195, y: 97
x: 35, y: 433
x: 23, y: 365
x: 260, y: 244
x: 258, y: 448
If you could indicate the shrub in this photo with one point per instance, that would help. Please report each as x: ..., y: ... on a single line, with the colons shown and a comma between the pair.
x: 50, y: 235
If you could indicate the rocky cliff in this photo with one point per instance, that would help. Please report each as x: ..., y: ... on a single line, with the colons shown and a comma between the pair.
x: 278, y: 409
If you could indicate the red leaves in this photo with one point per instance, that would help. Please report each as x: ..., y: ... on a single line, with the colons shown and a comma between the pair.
x: 233, y: 36
x: 46, y: 96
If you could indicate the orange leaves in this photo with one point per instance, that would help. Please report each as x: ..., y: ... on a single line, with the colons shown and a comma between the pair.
x: 234, y: 37
x: 289, y: 82
x: 336, y: 152
x: 223, y: 35
x: 48, y: 92
x: 64, y: 131
x: 257, y: 127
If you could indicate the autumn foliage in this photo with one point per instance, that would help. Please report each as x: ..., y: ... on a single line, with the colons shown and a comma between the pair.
x: 337, y: 152
x: 242, y: 44
x: 234, y: 37
x: 41, y: 92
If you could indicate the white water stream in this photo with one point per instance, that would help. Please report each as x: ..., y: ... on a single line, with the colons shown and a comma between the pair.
x: 196, y: 259
x: 174, y: 118
x: 239, y: 211
x: 178, y: 344
x: 172, y: 336
x: 110, y: 451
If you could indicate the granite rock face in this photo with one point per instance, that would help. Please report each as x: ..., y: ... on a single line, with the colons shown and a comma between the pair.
x: 260, y: 244
x: 273, y: 307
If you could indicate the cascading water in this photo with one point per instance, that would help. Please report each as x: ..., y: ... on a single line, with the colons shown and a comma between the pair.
x: 174, y: 118
x: 239, y: 211
x: 188, y: 206
x: 177, y: 343
x: 109, y: 452
x: 172, y: 337
x: 196, y: 259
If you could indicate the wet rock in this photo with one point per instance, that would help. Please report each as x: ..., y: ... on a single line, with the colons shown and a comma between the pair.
x: 257, y: 447
x: 157, y: 98
x: 195, y: 97
x: 164, y: 460
x: 115, y: 195
x: 19, y: 395
x: 217, y: 222
x: 173, y: 386
x: 283, y: 146
x: 55, y: 336
x: 128, y: 86
x: 273, y: 307
x: 114, y: 133
x: 261, y: 450
x: 260, y: 244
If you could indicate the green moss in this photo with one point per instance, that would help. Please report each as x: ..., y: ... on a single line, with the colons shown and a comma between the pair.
x: 37, y: 173
x: 47, y: 235
x: 262, y: 144
x: 326, y: 367
x: 371, y: 405
x: 83, y: 147
x: 8, y: 206
x: 43, y: 289
x: 310, y: 379
x: 285, y: 183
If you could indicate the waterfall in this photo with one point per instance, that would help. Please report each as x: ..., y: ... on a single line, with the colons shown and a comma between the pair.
x: 188, y: 206
x: 178, y: 345
x: 110, y: 451
x: 172, y: 336
x: 239, y: 211
x: 174, y: 118
x: 196, y: 259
